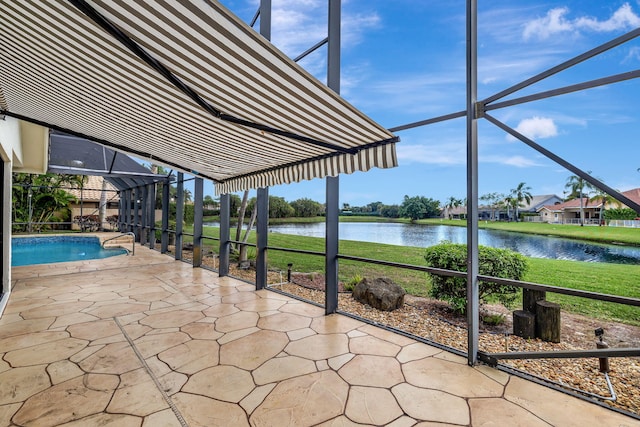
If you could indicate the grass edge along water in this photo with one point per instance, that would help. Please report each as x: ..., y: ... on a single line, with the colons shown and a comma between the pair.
x: 614, y: 279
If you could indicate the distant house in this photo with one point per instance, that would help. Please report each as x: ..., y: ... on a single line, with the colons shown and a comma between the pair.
x: 539, y: 201
x: 632, y: 194
x: 455, y: 212
x: 569, y: 212
x: 492, y: 213
x: 535, y: 204
x: 88, y: 200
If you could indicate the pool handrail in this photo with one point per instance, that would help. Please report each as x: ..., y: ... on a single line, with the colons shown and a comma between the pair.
x: 133, y: 241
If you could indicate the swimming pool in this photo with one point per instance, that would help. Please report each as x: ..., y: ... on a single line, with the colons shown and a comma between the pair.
x: 49, y: 249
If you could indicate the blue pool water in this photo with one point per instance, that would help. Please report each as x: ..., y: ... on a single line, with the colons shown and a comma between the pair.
x: 45, y: 250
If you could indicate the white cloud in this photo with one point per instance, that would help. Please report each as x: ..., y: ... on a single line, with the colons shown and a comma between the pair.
x: 633, y: 55
x: 622, y: 19
x: 442, y: 154
x: 353, y: 27
x: 497, y: 67
x: 421, y: 95
x: 536, y: 128
x: 556, y: 21
x: 517, y: 161
x: 297, y: 25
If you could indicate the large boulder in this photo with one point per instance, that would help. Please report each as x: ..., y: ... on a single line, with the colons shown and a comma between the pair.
x: 380, y: 293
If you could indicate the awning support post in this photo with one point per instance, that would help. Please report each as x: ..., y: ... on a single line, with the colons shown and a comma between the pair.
x: 333, y: 182
x: 151, y: 205
x: 331, y: 245
x: 122, y: 211
x: 473, y: 310
x: 179, y: 215
x: 225, y: 232
x: 197, y: 221
x: 262, y: 203
x: 164, y: 239
x: 265, y: 19
x: 144, y: 214
x: 262, y: 230
x: 136, y: 212
x: 128, y: 221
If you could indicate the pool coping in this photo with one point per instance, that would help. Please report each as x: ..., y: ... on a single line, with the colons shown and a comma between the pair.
x: 101, y: 235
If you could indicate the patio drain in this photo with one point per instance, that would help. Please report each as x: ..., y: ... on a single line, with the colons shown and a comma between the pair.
x: 164, y: 394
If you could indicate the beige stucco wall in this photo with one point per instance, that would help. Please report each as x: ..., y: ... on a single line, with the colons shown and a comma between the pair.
x: 23, y: 148
x: 31, y: 155
x: 547, y: 216
x: 10, y: 149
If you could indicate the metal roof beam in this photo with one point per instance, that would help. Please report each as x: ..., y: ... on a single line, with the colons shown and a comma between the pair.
x: 567, y: 64
x: 566, y: 89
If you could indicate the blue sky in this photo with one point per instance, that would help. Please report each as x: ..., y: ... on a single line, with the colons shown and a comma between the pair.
x: 404, y: 61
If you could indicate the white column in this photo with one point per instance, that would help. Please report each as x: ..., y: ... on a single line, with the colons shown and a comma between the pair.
x: 10, y: 145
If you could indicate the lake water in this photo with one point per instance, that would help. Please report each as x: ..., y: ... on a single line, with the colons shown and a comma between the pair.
x: 427, y: 235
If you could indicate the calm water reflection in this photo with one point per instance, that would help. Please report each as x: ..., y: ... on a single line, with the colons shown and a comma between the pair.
x: 428, y: 235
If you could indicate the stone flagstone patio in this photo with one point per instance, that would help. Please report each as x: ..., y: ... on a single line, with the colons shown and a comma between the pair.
x: 148, y: 341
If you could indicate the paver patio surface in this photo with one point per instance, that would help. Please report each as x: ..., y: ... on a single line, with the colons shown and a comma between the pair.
x: 148, y: 341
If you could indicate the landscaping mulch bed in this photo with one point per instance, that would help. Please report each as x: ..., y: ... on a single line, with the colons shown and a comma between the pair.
x: 433, y: 319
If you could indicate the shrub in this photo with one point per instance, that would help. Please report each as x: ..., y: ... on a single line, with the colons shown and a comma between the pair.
x: 494, y: 319
x: 501, y: 263
x: 620, y: 213
x: 158, y: 229
x: 351, y: 284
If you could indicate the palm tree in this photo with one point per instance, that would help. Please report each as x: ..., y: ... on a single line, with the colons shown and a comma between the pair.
x: 47, y: 204
x: 451, y: 203
x: 603, y: 198
x: 520, y: 194
x: 577, y: 185
x: 102, y: 206
x: 495, y: 199
x: 508, y: 203
x: 36, y: 198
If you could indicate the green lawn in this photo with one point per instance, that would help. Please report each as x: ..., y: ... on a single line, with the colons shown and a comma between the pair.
x: 615, y: 279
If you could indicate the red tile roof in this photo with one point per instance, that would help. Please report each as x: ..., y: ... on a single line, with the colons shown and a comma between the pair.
x: 92, y: 190
x: 633, y: 194
x: 574, y: 204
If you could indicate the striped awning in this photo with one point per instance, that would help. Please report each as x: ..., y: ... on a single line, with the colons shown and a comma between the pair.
x: 182, y: 83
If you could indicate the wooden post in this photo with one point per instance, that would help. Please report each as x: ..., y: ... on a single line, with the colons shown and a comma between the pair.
x: 524, y: 324
x: 530, y: 298
x: 548, y: 321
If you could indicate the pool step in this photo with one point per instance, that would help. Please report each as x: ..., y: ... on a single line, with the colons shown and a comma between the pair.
x: 118, y: 243
x: 124, y: 241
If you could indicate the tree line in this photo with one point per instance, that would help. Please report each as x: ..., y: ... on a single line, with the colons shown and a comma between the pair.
x: 416, y: 207
x: 279, y: 207
x: 40, y: 199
